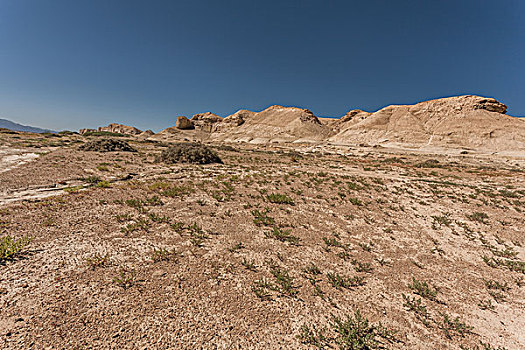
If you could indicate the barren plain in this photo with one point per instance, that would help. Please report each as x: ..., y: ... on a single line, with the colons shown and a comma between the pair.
x: 279, y: 247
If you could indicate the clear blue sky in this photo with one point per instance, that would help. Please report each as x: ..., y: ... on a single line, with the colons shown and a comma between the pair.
x: 66, y: 64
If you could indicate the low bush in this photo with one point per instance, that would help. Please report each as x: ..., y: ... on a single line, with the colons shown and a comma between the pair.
x: 279, y: 198
x: 189, y: 153
x: 107, y: 145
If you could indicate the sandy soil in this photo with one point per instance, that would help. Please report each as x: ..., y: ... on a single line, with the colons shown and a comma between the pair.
x: 202, y: 257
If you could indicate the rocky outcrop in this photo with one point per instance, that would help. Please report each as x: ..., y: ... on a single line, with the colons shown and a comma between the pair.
x: 238, y: 118
x: 183, y: 123
x: 233, y: 121
x: 83, y: 131
x: 120, y: 129
x: 206, y: 117
x: 308, y: 117
x: 146, y: 134
x: 350, y: 118
x: 206, y: 121
x: 354, y: 114
x: 491, y: 105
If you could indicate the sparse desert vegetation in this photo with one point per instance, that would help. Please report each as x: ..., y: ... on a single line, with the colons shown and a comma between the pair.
x: 259, y: 246
x: 262, y: 175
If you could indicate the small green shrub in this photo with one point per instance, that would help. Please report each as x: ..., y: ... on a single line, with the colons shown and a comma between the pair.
x: 355, y: 201
x: 357, y: 333
x: 313, y: 336
x: 197, y: 235
x: 454, y: 326
x: 162, y: 254
x: 97, y: 260
x: 11, y: 247
x: 178, y: 227
x: 362, y: 267
x: 261, y: 218
x: 332, y: 242
x: 282, y: 235
x: 280, y: 199
x: 140, y: 204
x: 312, y: 269
x: 261, y: 288
x: 441, y: 220
x: 139, y: 224
x: 415, y: 305
x: 492, y: 284
x: 126, y: 278
x: 102, y: 167
x: 479, y: 217
x: 486, y: 305
x: 250, y: 265
x: 284, y: 282
x: 73, y: 189
x: 103, y: 184
x: 236, y: 247
x: 484, y: 346
x: 92, y: 179
x: 157, y: 218
x: 176, y: 191
x: 367, y: 247
x: 512, y: 265
x: 423, y: 289
x: 339, y: 281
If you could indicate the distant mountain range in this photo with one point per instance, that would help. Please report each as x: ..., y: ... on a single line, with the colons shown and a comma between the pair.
x: 7, y: 124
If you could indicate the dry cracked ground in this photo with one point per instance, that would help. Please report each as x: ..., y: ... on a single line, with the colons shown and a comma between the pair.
x: 276, y: 248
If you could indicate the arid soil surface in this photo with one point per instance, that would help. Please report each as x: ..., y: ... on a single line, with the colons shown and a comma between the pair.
x: 268, y: 250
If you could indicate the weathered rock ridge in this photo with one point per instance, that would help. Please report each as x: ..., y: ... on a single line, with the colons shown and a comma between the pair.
x: 120, y: 129
x: 464, y: 122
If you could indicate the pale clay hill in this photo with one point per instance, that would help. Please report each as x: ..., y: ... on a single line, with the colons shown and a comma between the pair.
x: 462, y: 122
